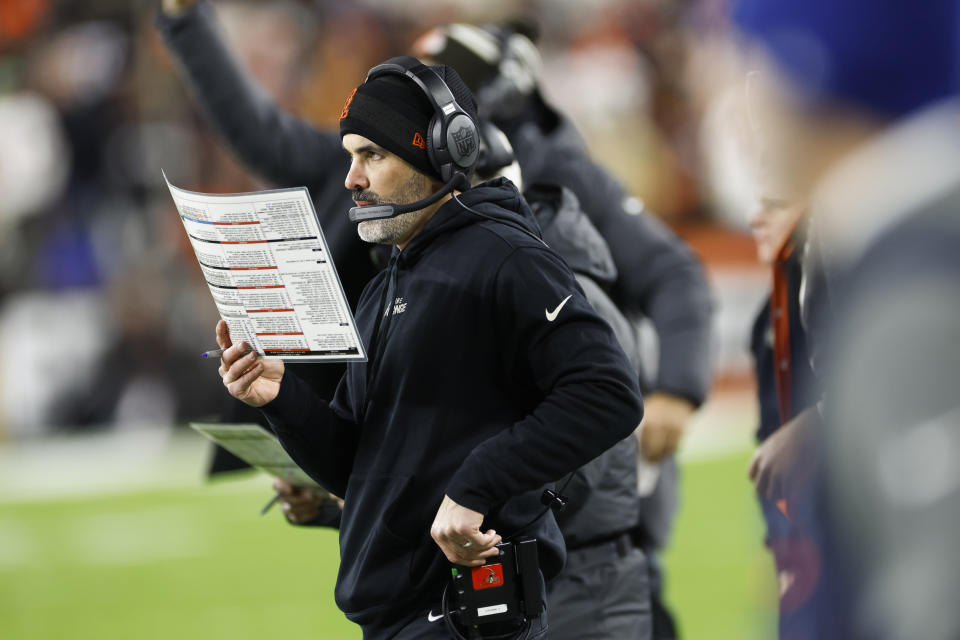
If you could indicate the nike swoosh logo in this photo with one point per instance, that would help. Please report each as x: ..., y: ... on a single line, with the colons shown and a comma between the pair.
x: 552, y: 315
x: 432, y: 618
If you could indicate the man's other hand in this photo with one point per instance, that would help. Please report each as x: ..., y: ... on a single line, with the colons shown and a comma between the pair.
x: 247, y: 377
x: 787, y: 459
x: 456, y: 530
x: 302, y: 504
x: 665, y: 418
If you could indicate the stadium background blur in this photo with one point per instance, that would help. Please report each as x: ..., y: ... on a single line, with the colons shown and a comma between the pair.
x: 107, y: 526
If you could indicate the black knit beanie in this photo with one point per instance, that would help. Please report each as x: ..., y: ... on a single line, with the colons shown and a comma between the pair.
x: 394, y: 112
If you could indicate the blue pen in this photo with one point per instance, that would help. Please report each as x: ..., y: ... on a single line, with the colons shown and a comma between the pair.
x: 216, y: 353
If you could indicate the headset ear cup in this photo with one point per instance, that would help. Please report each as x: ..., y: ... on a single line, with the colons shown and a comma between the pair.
x: 462, y: 142
x: 432, y: 153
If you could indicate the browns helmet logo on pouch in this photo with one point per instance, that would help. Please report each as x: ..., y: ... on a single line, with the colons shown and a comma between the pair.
x: 487, y: 576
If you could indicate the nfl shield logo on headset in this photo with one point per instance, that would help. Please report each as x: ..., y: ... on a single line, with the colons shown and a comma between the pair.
x: 465, y: 140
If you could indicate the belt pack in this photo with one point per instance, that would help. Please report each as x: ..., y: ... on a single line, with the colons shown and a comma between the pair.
x: 508, y: 588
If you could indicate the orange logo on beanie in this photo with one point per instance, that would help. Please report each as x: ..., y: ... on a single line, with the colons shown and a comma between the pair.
x: 418, y: 141
x: 346, y: 105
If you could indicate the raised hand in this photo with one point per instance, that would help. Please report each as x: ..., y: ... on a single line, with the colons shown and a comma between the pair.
x: 246, y: 376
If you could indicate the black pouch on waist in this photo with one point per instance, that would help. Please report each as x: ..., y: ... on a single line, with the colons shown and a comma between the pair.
x: 508, y: 588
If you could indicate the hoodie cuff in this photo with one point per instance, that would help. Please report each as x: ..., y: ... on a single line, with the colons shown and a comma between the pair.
x: 465, y: 495
x: 329, y: 515
x: 695, y: 399
x: 684, y: 369
x: 287, y: 407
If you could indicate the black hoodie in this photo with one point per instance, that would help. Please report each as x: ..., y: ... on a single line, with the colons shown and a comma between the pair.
x: 490, y: 375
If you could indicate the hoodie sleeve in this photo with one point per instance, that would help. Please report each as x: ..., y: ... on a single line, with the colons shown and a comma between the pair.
x: 584, y: 392
x: 315, y: 433
x: 274, y: 144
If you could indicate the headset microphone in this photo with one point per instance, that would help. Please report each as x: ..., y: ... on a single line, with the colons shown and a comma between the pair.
x: 391, y: 210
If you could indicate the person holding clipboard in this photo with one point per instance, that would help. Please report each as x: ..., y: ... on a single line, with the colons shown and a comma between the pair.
x: 489, y: 375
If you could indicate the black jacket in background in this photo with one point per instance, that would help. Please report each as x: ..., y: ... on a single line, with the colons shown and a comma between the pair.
x: 657, y: 274
x: 471, y: 391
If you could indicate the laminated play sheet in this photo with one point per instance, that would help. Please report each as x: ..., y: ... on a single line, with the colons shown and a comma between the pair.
x: 270, y: 273
x: 257, y: 447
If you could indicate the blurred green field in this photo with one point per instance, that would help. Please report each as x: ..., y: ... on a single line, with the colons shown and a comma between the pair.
x: 199, y: 563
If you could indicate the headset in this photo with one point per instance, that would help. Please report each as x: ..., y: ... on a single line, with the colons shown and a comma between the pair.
x: 452, y: 137
x: 506, y: 96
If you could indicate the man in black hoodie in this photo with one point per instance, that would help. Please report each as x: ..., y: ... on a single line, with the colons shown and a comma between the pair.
x: 490, y: 376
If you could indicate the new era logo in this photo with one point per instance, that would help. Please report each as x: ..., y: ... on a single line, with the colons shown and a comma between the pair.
x: 418, y: 141
x: 346, y: 105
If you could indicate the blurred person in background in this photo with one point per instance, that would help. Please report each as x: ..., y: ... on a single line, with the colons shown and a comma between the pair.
x: 866, y: 115
x: 785, y: 388
x: 657, y: 276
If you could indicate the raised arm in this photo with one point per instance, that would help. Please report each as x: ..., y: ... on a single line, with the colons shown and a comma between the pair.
x: 273, y: 143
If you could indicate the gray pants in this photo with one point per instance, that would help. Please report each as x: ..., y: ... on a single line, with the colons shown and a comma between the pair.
x: 602, y: 594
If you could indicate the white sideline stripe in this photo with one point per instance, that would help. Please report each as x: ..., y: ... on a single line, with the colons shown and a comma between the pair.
x: 107, y: 538
x: 136, y: 537
x: 80, y: 467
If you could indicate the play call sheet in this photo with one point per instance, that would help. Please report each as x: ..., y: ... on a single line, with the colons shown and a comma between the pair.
x: 270, y: 272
